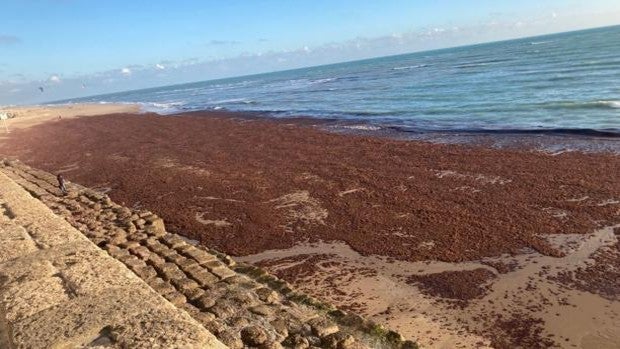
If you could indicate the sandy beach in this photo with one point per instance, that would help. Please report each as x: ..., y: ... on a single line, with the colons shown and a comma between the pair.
x: 456, y: 246
x: 27, y: 116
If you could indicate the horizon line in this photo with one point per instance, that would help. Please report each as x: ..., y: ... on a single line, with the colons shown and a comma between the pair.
x: 60, y: 101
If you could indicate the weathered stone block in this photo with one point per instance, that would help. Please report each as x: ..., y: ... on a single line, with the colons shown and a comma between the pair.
x: 172, y: 240
x: 204, y: 278
x: 129, y: 244
x: 153, y: 243
x: 141, y: 251
x: 129, y: 227
x: 118, y: 239
x: 189, y: 270
x: 204, y: 318
x: 223, y: 309
x: 174, y: 258
x: 338, y: 340
x: 153, y: 231
x: 231, y: 339
x: 193, y: 294
x: 184, y: 284
x: 167, y: 268
x: 297, y: 342
x: 155, y: 260
x: 205, y: 302
x: 322, y: 327
x: 200, y: 256
x: 271, y: 345
x: 132, y: 261
x: 187, y: 264
x: 156, y: 226
x: 160, y: 286
x: 176, y: 298
x: 267, y: 295
x: 163, y: 250
x: 280, y: 326
x: 262, y: 310
x: 213, y: 264
x: 139, y: 223
x: 223, y: 272
x: 138, y: 236
x: 254, y: 335
x: 145, y: 272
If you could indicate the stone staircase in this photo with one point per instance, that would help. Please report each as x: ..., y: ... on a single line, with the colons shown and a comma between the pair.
x: 242, y: 305
x: 59, y: 290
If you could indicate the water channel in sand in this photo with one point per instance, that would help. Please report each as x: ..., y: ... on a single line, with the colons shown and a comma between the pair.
x: 570, y: 317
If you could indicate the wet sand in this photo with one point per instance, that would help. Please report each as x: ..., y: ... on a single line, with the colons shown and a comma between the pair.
x: 244, y: 186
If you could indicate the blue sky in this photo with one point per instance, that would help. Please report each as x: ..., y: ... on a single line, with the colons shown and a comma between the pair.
x: 77, y: 47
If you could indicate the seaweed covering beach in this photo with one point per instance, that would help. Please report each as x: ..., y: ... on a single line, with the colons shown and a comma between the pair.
x: 246, y: 186
x: 224, y: 179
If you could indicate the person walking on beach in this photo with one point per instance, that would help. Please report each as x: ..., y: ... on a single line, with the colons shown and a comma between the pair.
x: 61, y: 184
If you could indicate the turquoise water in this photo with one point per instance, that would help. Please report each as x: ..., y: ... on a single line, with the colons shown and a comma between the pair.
x: 562, y: 83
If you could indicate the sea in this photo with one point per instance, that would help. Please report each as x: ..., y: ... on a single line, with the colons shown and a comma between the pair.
x: 559, y: 84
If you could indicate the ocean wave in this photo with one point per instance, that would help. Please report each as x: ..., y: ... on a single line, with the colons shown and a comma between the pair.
x: 482, y: 63
x: 541, y: 42
x: 298, y: 83
x: 233, y: 101
x: 471, y: 65
x: 612, y: 104
x: 602, y: 104
x: 161, y: 107
x: 408, y: 67
x: 322, y: 81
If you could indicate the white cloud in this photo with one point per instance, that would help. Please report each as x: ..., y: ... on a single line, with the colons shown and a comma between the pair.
x: 160, y: 66
x: 54, y: 79
x: 126, y: 71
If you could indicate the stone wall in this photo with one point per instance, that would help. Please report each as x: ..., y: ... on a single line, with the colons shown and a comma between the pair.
x: 59, y: 290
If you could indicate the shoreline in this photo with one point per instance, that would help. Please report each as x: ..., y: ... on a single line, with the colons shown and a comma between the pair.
x: 553, y: 141
x: 346, y: 215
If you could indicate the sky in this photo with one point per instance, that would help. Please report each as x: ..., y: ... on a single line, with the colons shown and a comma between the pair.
x: 74, y: 48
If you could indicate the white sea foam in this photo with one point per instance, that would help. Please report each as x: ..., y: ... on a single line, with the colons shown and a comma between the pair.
x: 233, y: 101
x: 611, y: 104
x: 362, y: 127
x: 540, y: 42
x: 161, y: 108
x: 322, y: 81
x: 407, y: 67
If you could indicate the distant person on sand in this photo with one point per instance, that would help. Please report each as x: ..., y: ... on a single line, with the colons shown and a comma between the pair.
x: 61, y: 184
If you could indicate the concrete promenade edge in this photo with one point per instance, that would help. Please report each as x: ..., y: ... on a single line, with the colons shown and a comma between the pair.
x: 59, y: 290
